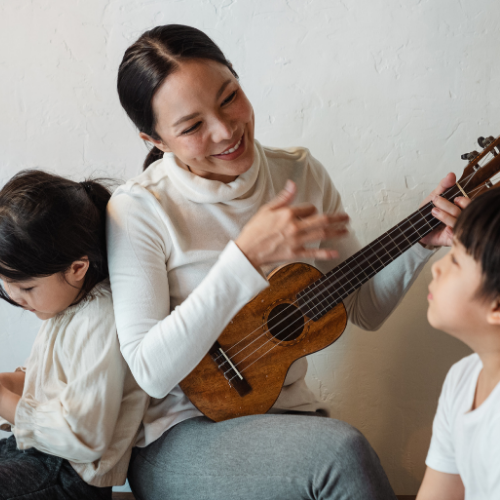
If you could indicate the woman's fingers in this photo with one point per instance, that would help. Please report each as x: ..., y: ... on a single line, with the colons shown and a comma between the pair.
x: 284, y: 197
x: 445, y: 183
x: 322, y: 221
x: 279, y: 232
x: 316, y: 253
x: 445, y: 211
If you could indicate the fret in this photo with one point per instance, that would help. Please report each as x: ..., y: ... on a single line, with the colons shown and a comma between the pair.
x: 415, y: 229
x: 380, y: 253
x: 390, y: 245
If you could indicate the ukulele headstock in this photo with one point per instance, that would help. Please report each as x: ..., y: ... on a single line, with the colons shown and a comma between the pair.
x: 483, y: 171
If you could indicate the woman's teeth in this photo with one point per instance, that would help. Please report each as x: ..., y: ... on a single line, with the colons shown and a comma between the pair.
x: 233, y: 149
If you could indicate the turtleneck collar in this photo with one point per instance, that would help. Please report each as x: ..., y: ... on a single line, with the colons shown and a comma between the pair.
x: 201, y: 190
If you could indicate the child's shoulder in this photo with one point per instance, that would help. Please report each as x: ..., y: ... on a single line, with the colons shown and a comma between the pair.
x: 465, y: 366
x: 463, y: 371
x: 94, y: 312
x: 461, y: 378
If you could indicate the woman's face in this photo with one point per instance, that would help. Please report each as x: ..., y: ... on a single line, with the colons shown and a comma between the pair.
x: 205, y: 119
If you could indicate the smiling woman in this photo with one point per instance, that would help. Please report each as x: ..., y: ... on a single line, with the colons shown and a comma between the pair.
x: 210, y: 127
x: 188, y: 241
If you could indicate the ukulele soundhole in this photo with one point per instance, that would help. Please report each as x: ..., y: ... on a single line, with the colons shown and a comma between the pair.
x: 285, y: 322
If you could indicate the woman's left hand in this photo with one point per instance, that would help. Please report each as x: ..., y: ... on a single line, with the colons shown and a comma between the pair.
x: 446, y: 211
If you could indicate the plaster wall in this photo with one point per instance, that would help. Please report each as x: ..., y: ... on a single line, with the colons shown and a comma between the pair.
x: 387, y: 94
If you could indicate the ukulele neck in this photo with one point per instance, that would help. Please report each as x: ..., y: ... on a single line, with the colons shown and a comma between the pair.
x: 327, y: 292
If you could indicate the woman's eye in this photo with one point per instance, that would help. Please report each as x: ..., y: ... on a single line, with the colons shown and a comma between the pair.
x: 27, y: 289
x: 191, y: 129
x: 230, y: 98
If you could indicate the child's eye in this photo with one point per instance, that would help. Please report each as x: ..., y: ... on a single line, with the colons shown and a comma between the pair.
x: 191, y: 129
x: 230, y: 98
x: 27, y: 289
x: 453, y: 260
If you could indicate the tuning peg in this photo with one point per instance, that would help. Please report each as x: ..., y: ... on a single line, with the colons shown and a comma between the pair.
x: 485, y: 142
x: 470, y: 156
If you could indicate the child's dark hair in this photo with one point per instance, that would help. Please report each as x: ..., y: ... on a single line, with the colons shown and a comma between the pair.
x: 47, y: 223
x: 478, y: 230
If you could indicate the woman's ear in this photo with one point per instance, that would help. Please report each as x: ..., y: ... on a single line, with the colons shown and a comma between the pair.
x: 77, y: 271
x: 155, y: 142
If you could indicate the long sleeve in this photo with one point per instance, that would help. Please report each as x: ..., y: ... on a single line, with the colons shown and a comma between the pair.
x: 162, y: 346
x: 74, y: 415
x: 371, y: 304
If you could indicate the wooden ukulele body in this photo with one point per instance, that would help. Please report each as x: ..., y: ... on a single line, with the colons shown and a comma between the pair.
x: 262, y: 341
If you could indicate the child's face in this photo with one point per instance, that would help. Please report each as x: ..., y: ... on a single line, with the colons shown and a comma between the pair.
x: 45, y: 296
x: 453, y: 304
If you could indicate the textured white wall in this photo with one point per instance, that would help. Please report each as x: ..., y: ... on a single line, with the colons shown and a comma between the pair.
x: 386, y: 94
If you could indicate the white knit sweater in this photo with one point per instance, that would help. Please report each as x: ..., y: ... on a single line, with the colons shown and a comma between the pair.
x: 178, y: 279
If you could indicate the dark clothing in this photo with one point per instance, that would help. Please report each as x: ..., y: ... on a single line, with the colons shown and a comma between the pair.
x: 33, y: 475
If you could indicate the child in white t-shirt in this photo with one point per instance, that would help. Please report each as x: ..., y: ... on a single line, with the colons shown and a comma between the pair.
x: 464, y: 300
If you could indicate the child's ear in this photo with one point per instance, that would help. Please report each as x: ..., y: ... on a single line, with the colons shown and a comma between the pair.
x: 78, y: 269
x: 494, y: 313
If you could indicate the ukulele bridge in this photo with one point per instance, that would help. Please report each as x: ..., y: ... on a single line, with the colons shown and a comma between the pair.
x: 229, y: 370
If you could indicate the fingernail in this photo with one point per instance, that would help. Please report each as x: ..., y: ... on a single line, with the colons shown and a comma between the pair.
x: 289, y: 186
x: 435, y: 211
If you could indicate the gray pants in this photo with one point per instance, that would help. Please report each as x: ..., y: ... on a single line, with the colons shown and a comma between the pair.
x: 283, y: 457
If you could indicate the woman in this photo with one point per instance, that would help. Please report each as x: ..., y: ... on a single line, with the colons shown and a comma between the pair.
x: 188, y: 241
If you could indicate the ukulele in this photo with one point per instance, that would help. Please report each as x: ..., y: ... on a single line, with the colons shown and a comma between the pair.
x: 301, y: 312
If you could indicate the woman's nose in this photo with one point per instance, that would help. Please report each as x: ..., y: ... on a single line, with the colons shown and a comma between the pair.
x: 222, y: 130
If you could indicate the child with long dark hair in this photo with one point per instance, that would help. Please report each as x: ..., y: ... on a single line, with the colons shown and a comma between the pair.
x: 75, y: 409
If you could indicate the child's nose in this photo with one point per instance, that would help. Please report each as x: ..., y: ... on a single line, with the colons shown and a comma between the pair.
x: 435, y: 269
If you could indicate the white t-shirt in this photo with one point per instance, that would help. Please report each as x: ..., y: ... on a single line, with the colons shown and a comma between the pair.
x: 467, y: 442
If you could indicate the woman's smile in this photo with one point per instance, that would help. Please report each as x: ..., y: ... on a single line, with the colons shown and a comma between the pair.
x: 234, y: 151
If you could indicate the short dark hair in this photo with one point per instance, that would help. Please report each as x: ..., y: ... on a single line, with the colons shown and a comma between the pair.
x: 478, y: 230
x: 47, y: 223
x: 149, y: 61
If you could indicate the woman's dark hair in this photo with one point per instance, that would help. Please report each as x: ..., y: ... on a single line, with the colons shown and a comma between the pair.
x: 478, y: 230
x: 47, y: 223
x: 149, y: 61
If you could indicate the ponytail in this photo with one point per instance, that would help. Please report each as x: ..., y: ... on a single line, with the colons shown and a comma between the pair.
x: 154, y: 155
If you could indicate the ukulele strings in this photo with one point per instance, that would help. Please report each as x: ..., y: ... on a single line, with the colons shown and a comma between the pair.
x: 283, y: 340
x: 353, y: 288
x: 311, y: 299
x: 436, y: 222
x: 418, y: 212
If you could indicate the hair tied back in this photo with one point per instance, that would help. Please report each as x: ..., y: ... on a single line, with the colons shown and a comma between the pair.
x: 87, y: 186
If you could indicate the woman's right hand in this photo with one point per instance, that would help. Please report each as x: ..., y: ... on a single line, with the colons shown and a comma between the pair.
x: 279, y: 232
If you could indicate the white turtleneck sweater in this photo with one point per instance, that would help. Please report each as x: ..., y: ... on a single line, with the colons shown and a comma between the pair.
x: 178, y: 278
